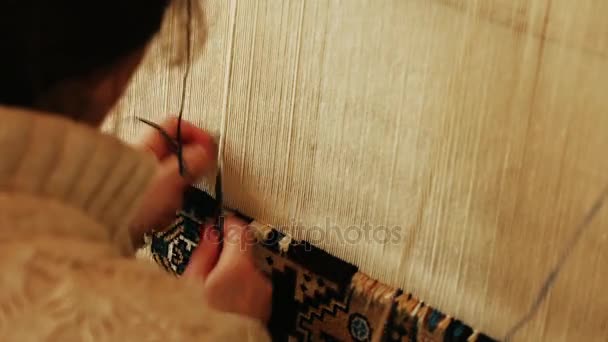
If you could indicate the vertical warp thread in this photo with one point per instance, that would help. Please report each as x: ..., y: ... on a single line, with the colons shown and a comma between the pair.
x: 227, y: 79
x: 184, y: 84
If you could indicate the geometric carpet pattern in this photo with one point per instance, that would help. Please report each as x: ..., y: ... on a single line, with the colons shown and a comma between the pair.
x: 316, y: 297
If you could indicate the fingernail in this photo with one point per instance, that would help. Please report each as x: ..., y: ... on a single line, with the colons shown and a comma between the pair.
x: 209, y: 233
x: 214, y: 236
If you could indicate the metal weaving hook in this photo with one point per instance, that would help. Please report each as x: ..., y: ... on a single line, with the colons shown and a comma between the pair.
x: 219, y: 200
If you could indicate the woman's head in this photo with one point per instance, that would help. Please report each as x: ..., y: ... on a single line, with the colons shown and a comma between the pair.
x: 73, y: 57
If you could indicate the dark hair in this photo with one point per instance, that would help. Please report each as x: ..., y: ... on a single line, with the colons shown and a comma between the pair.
x: 44, y: 42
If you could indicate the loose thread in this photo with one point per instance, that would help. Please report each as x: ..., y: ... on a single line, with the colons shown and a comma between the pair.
x: 551, y: 278
x: 222, y: 139
x: 185, y: 78
x: 227, y: 79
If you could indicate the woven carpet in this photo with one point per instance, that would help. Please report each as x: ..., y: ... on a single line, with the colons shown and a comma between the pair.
x: 316, y: 297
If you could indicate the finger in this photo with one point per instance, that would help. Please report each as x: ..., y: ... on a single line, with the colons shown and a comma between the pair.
x: 238, y: 241
x: 198, y: 162
x: 157, y: 144
x: 265, y: 299
x: 165, y: 195
x: 205, y: 255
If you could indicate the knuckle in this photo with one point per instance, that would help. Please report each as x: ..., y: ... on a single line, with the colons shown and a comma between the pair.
x: 247, y: 265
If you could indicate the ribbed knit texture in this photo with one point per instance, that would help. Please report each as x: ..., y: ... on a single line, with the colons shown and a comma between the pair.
x: 52, y: 157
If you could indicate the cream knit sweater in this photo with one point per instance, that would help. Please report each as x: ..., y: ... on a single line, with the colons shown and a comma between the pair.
x: 67, y: 193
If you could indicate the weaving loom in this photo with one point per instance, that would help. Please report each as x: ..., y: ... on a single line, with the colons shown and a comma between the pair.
x: 473, y: 130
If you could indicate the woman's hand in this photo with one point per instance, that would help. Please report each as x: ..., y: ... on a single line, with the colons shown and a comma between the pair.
x: 164, y: 197
x: 231, y: 281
